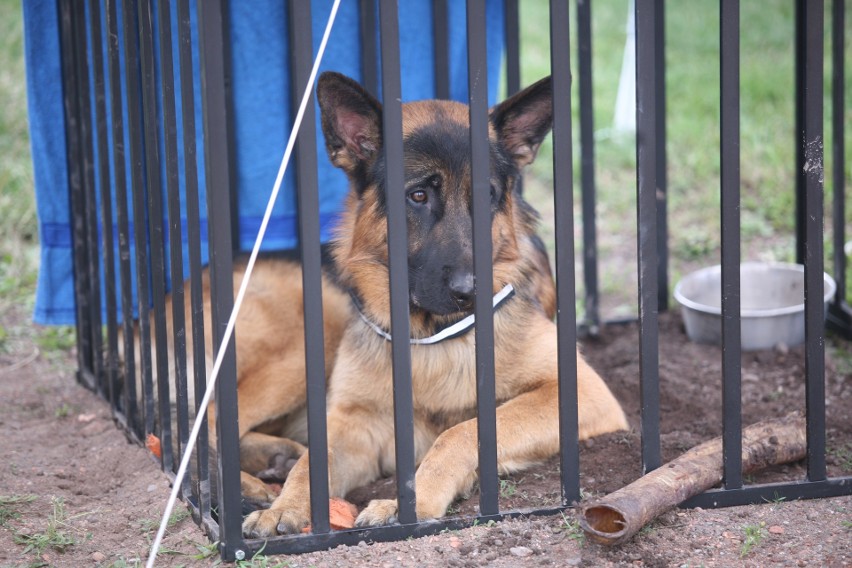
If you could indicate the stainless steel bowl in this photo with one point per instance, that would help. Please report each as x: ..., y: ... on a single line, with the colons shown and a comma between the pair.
x: 771, y: 301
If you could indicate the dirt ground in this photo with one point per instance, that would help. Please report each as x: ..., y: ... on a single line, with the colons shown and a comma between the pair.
x: 74, y: 492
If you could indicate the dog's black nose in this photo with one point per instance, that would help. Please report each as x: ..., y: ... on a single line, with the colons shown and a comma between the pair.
x: 461, y: 289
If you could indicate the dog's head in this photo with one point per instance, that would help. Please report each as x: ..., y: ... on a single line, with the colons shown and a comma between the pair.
x: 437, y: 187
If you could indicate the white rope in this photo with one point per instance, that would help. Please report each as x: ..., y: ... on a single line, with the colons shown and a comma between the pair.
x: 229, y: 330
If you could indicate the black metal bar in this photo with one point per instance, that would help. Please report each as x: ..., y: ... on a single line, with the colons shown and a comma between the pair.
x: 771, y: 492
x: 74, y: 124
x: 88, y: 198
x: 398, y: 262
x: 812, y: 168
x: 88, y: 241
x: 167, y: 87
x: 71, y: 114
x: 111, y: 352
x: 587, y: 163
x: 729, y: 45
x: 799, y: 53
x: 132, y: 88
x: 155, y: 226
x: 563, y: 198
x: 120, y: 181
x: 840, y: 316
x: 838, y: 130
x: 369, y: 47
x: 646, y: 173
x: 217, y: 136
x: 513, y: 46
x: 661, y: 156
x: 441, y: 37
x: 193, y: 226
x: 486, y: 410
x: 298, y: 544
x: 307, y: 196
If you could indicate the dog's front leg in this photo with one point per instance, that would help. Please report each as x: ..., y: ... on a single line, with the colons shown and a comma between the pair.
x: 527, y: 433
x: 356, y: 438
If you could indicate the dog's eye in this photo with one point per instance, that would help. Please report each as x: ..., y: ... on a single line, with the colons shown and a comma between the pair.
x: 493, y: 191
x: 418, y: 196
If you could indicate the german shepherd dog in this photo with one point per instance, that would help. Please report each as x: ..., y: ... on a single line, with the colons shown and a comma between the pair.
x: 441, y: 284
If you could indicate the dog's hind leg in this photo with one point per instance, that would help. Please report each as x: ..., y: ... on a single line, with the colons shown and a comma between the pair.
x: 269, y: 457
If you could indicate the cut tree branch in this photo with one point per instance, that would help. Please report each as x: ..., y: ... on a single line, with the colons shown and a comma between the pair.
x: 621, y: 514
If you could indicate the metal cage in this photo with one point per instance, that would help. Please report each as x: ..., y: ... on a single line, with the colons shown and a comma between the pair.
x: 91, y: 187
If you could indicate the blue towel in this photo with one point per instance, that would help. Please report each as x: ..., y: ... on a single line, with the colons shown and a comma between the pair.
x: 261, y: 105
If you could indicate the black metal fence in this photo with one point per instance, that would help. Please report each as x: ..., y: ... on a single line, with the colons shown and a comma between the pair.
x: 90, y: 182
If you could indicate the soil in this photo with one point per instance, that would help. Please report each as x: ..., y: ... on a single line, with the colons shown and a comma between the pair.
x: 59, y: 441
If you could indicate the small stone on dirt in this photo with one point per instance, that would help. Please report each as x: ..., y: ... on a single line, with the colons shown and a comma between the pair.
x: 520, y: 551
x: 98, y: 556
x: 776, y: 529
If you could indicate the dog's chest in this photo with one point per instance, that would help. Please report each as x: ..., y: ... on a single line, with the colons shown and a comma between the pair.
x: 444, y: 376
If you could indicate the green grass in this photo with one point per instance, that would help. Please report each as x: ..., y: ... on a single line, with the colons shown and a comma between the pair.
x: 508, y: 488
x: 150, y: 526
x: 18, y: 226
x: 10, y: 506
x: 693, y: 113
x: 572, y: 528
x: 56, y: 534
x: 754, y: 535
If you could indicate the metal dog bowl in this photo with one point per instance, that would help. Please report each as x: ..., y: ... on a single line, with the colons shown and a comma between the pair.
x: 771, y: 301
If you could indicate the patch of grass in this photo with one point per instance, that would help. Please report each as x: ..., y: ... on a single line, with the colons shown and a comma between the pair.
x: 846, y: 524
x: 572, y: 528
x: 776, y: 500
x: 18, y: 225
x: 124, y: 563
x: 508, y: 488
x: 206, y: 550
x: 55, y: 535
x: 149, y: 526
x: 10, y: 507
x: 767, y: 149
x: 56, y: 339
x: 64, y: 411
x: 840, y: 353
x: 258, y: 560
x: 754, y: 535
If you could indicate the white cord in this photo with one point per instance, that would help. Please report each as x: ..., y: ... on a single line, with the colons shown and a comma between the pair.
x: 229, y: 330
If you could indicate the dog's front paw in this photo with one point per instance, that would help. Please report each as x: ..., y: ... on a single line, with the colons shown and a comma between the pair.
x: 379, y: 512
x: 271, y: 522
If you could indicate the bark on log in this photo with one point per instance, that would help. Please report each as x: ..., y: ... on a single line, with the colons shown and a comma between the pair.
x: 621, y: 514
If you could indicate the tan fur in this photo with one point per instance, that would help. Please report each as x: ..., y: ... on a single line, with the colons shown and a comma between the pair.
x: 360, y: 402
x: 270, y: 358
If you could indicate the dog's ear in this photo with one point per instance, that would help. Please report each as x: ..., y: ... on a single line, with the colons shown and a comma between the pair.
x: 351, y: 121
x: 523, y: 120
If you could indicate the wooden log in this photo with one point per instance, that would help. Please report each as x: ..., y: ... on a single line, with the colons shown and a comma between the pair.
x: 621, y: 514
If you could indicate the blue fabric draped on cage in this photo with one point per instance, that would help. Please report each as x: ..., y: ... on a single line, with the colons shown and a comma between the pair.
x: 261, y: 114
